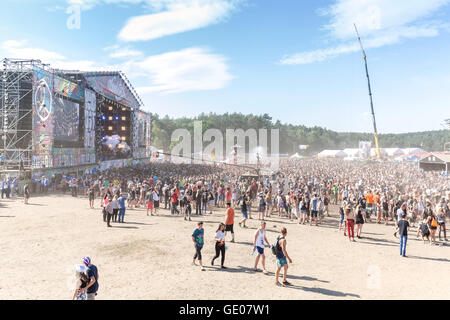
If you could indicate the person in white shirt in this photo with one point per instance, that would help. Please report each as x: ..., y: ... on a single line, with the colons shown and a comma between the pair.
x: 258, y: 243
x: 220, y: 245
x: 155, y: 201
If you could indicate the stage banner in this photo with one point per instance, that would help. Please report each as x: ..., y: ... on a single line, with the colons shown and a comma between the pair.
x: 135, y: 133
x: 43, y: 122
x: 112, y: 87
x: 89, y: 116
x: 68, y: 89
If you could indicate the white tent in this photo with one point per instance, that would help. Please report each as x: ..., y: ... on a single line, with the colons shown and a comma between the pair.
x: 393, y: 152
x: 352, y: 152
x: 296, y: 156
x: 413, y: 150
x: 331, y: 154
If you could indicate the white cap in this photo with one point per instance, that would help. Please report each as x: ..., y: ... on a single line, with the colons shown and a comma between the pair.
x: 80, y: 268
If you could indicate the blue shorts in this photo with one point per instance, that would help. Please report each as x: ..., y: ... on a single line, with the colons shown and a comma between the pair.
x: 260, y: 250
x: 245, y: 215
x: 281, y: 262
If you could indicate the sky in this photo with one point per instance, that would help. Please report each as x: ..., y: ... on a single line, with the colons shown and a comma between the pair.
x: 297, y: 60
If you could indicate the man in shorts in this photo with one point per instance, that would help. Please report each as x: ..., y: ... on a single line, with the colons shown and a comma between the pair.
x: 282, y: 258
x: 229, y: 222
x: 314, y: 206
x: 258, y: 243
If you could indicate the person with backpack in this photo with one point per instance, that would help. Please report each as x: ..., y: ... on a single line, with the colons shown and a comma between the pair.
x: 282, y: 257
x: 258, y: 244
x: 423, y: 230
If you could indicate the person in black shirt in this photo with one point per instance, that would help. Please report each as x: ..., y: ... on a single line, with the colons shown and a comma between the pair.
x: 402, y: 229
x: 244, y: 204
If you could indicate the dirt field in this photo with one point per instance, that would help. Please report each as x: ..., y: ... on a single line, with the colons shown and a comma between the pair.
x: 150, y: 257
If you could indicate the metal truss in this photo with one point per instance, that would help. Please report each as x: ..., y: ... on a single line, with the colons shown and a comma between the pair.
x: 16, y: 83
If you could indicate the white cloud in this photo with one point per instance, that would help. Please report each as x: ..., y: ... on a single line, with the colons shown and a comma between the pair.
x: 380, y: 23
x: 191, y: 69
x: 19, y: 50
x: 125, y: 53
x: 382, y: 39
x: 176, y: 16
x: 89, y: 4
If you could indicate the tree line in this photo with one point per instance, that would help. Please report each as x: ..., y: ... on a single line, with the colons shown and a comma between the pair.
x: 291, y: 136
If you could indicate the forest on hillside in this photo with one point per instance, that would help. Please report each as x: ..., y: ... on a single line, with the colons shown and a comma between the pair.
x: 291, y: 136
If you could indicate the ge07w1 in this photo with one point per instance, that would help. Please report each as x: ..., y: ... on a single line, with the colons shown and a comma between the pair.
x: 237, y: 309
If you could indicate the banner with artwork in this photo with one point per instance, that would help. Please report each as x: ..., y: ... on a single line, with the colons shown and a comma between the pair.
x: 112, y: 87
x: 143, y: 134
x: 43, y: 122
x: 90, y: 108
x: 68, y: 89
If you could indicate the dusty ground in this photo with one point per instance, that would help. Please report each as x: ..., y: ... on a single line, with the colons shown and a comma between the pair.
x: 150, y: 258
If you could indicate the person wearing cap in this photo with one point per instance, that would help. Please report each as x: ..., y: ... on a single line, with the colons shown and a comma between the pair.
x: 92, y: 276
x: 81, y: 283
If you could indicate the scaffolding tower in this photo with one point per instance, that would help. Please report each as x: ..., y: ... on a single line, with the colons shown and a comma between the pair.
x: 16, y: 87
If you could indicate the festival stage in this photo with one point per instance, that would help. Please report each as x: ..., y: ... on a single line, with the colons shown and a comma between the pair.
x: 66, y: 121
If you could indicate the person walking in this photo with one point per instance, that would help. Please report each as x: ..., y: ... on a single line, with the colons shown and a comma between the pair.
x: 122, y: 205
x: 282, y: 258
x: 115, y: 207
x: 258, y: 244
x: 109, y: 212
x: 26, y: 193
x: 244, y: 205
x: 155, y: 201
x: 229, y: 222
x: 198, y: 239
x: 92, y: 275
x: 360, y: 219
x: 91, y: 195
x: 402, y: 229
x: 220, y: 245
x: 350, y: 221
x: 441, y: 223
x: 81, y: 282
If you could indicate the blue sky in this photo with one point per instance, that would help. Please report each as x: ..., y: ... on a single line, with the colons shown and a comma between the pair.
x: 297, y: 60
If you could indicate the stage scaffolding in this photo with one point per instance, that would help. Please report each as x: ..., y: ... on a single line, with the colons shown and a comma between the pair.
x: 16, y: 89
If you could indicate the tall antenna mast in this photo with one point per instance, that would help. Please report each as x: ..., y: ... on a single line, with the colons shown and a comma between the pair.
x: 370, y: 95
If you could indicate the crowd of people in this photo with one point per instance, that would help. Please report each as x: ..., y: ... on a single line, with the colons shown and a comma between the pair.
x: 397, y: 194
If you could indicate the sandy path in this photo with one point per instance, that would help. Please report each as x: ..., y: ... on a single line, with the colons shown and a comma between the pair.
x: 150, y: 258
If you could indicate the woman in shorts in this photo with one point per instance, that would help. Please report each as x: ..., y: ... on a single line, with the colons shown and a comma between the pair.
x: 359, y: 221
x: 26, y: 193
x: 432, y: 225
x: 441, y: 223
x: 91, y: 194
